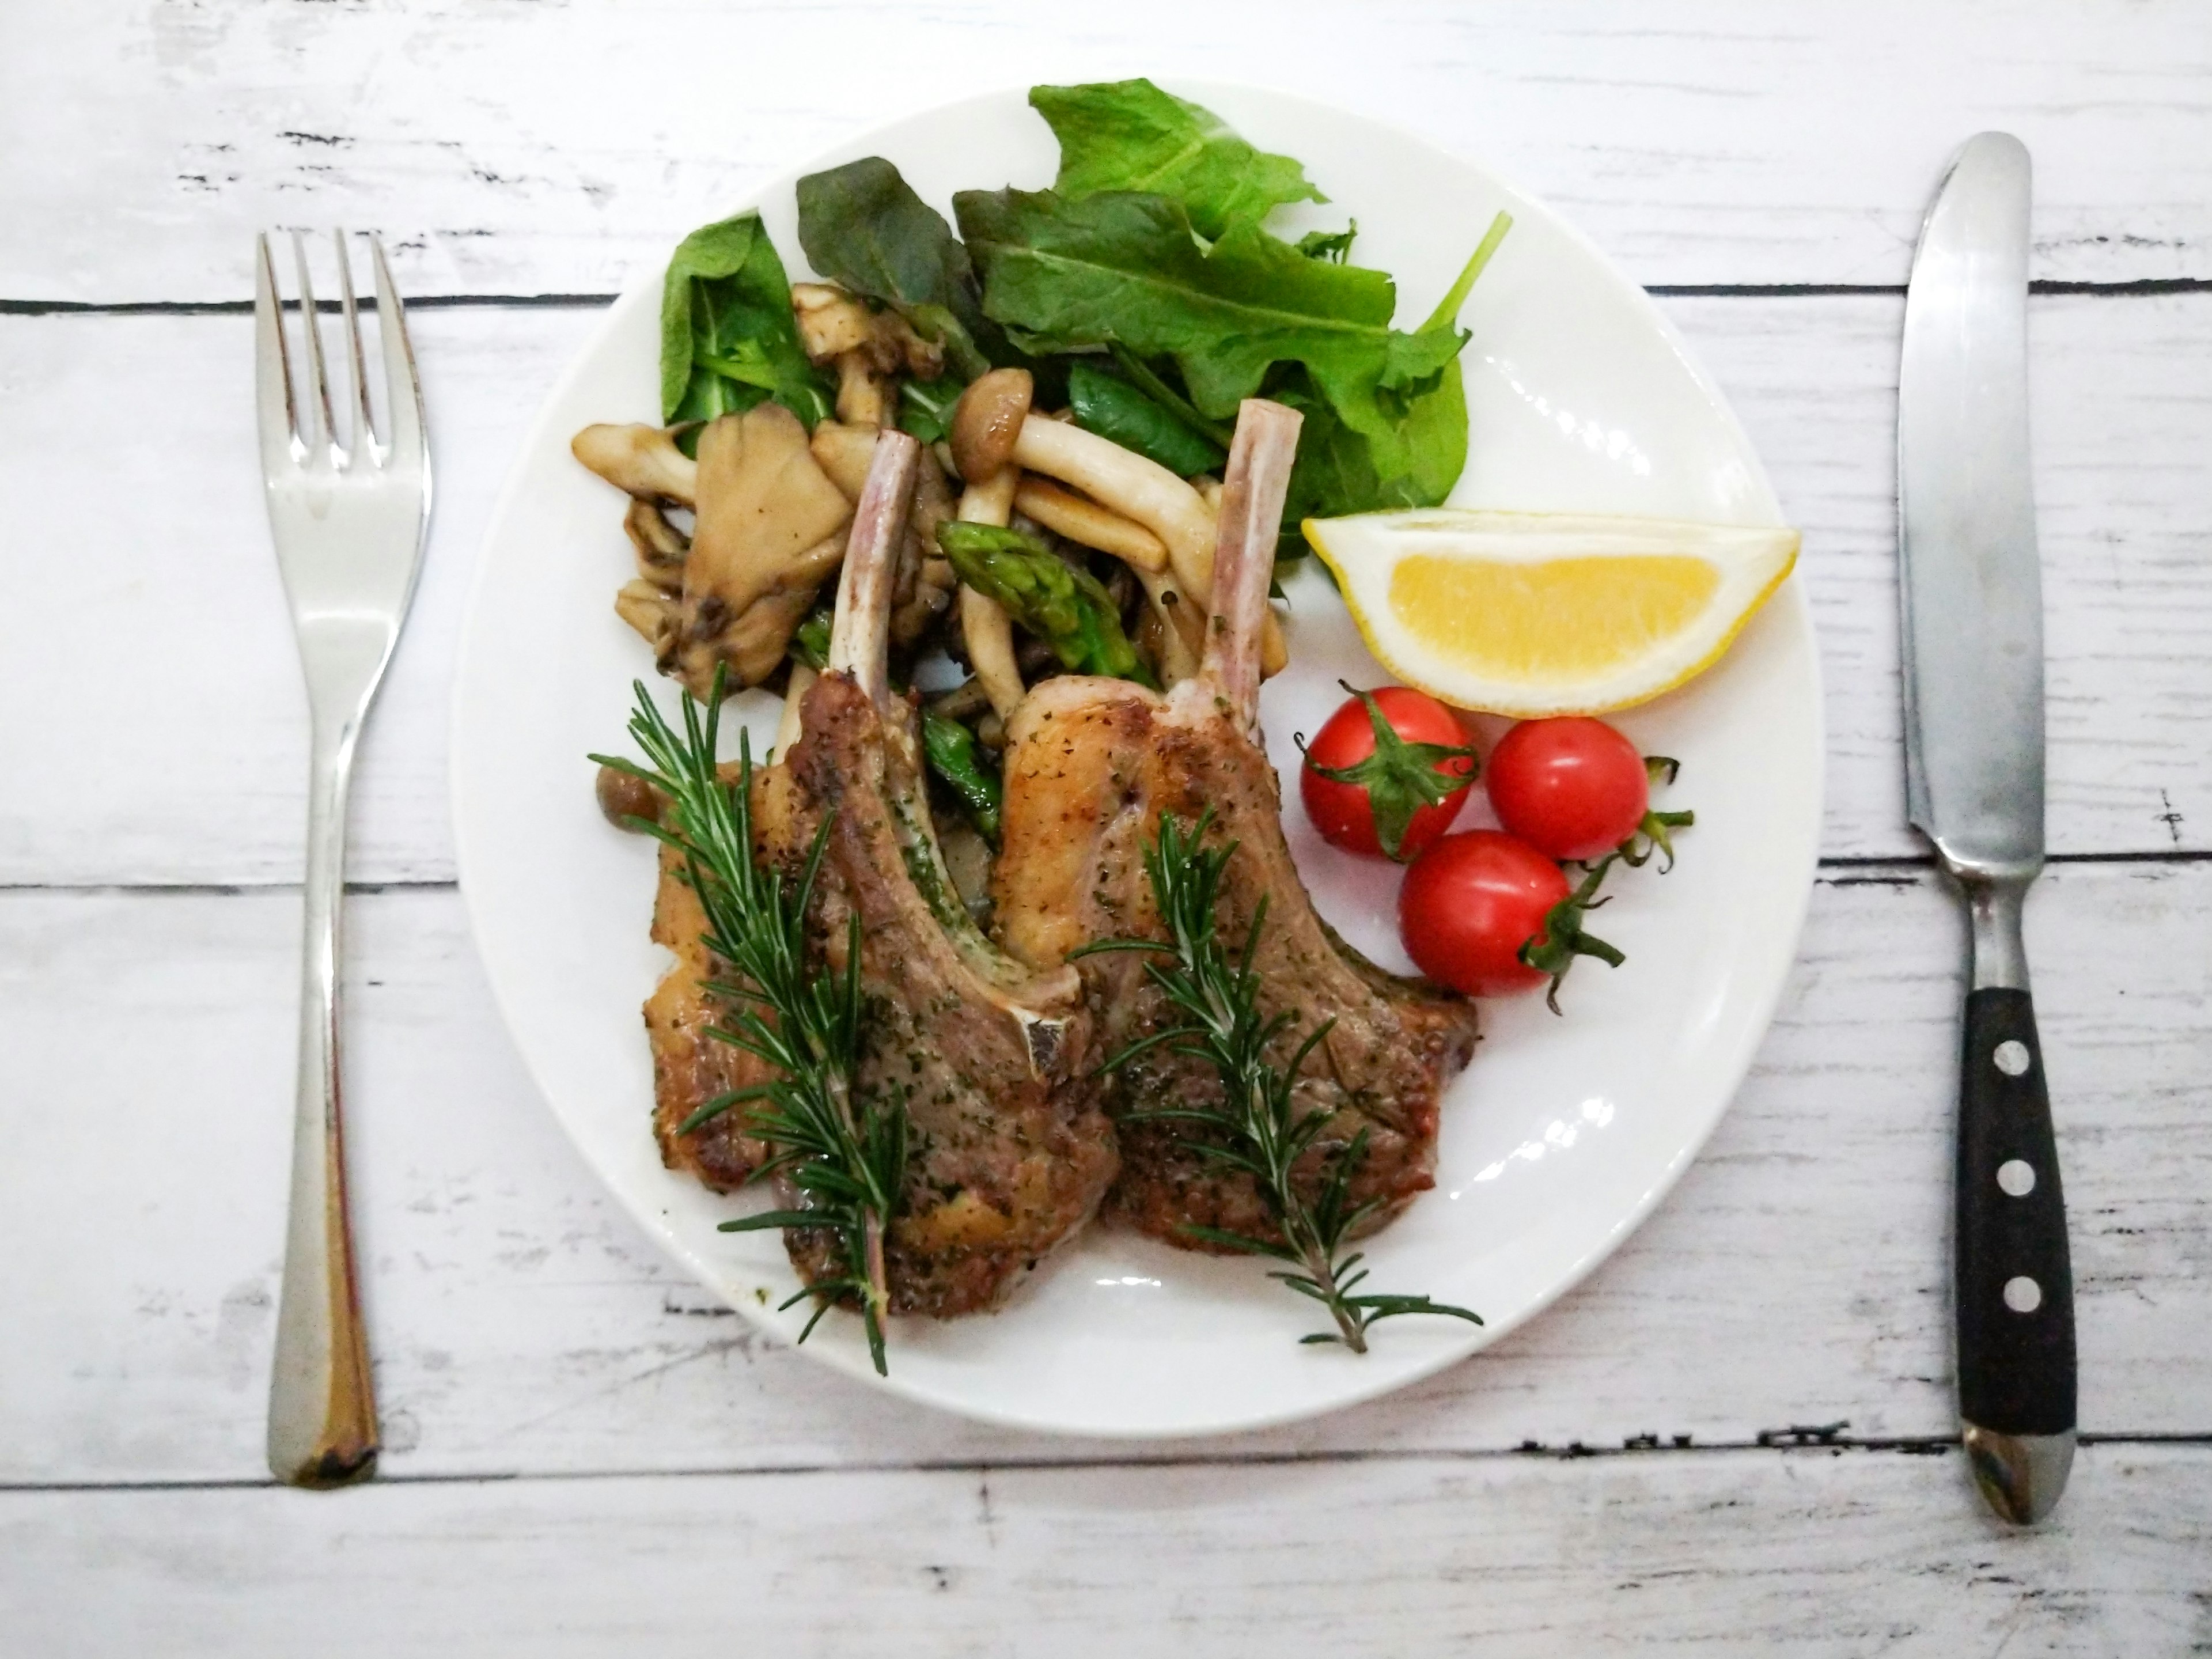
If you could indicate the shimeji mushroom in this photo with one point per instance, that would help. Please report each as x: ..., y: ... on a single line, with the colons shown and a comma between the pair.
x: 1082, y: 519
x: 994, y: 426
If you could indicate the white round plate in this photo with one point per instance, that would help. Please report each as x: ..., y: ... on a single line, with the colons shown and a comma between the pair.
x: 1561, y: 1136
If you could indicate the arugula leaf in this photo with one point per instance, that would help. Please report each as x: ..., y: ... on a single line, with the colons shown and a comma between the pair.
x: 1129, y: 135
x: 1127, y: 268
x: 862, y: 225
x: 727, y: 340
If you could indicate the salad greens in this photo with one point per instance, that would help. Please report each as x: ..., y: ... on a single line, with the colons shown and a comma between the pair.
x: 1129, y: 135
x: 727, y: 339
x: 862, y: 225
x: 957, y: 761
x: 1114, y: 408
x: 1068, y: 609
x: 1143, y: 291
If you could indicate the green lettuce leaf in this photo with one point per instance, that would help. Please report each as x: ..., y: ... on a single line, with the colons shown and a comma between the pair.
x: 1127, y: 268
x: 863, y: 226
x: 1129, y: 135
x: 727, y: 340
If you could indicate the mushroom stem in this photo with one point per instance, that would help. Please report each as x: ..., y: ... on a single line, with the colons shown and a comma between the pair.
x: 787, y: 727
x: 1180, y: 624
x: 1147, y: 492
x: 1086, y: 521
x: 985, y: 627
x: 1131, y: 485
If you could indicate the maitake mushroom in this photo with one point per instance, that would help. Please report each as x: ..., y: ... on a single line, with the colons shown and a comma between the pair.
x: 769, y: 532
x: 866, y: 346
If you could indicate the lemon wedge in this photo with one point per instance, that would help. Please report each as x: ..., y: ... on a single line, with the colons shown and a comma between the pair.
x: 1549, y: 613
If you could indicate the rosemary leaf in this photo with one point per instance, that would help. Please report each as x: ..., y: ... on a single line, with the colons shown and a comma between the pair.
x: 1218, y: 996
x: 847, y: 1155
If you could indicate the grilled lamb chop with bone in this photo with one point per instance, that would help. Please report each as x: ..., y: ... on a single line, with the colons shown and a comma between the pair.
x: 1008, y: 1151
x: 1091, y: 766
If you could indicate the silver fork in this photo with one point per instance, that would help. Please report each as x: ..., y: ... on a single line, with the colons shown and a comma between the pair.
x: 348, y: 520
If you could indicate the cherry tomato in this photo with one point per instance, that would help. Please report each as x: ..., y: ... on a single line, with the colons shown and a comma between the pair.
x: 1571, y: 788
x: 1470, y: 902
x: 1402, y: 767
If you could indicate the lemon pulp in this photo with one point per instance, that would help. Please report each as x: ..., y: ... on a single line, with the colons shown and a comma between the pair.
x: 1558, y: 622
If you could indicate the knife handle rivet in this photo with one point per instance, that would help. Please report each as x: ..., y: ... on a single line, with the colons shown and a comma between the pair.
x: 2011, y: 1057
x: 2016, y: 1176
x: 2023, y: 1294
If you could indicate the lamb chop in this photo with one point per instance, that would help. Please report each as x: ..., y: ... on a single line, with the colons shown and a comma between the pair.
x: 1091, y: 766
x: 1009, y: 1153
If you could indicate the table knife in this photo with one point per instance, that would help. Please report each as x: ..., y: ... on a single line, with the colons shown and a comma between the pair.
x: 1972, y: 599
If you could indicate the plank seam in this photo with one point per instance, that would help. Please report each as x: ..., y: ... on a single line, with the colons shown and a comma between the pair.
x: 1778, y: 1441
x: 1830, y: 871
x: 2136, y: 289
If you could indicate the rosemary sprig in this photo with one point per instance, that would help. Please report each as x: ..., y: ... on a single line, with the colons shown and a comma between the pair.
x: 847, y: 1158
x: 1257, y: 1128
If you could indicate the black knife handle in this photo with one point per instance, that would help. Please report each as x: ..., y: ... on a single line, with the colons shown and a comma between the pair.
x: 2015, y: 1284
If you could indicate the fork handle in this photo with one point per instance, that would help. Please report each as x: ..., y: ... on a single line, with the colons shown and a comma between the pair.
x: 322, y: 1403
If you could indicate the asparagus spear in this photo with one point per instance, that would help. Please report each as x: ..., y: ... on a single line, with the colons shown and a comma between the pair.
x: 1068, y: 609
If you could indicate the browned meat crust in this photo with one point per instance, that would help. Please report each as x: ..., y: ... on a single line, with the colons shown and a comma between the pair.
x: 1091, y: 765
x: 1010, y: 1151
x: 689, y: 1067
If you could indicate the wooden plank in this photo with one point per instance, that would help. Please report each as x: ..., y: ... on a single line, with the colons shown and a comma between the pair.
x: 1750, y: 1553
x: 521, y: 1323
x: 506, y: 151
x: 2123, y: 417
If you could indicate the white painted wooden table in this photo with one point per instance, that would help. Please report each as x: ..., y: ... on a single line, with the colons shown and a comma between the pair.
x: 1737, y: 1433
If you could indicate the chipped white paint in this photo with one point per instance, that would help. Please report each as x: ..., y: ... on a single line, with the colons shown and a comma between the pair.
x: 150, y: 735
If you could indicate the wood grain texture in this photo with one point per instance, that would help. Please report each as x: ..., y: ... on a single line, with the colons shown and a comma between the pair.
x: 178, y: 556
x: 509, y: 149
x: 521, y: 1324
x: 1754, y: 1552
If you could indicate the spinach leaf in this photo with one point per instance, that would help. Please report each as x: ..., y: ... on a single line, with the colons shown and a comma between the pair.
x: 727, y: 340
x: 862, y: 225
x: 1114, y: 408
x: 1129, y: 135
x: 1127, y: 268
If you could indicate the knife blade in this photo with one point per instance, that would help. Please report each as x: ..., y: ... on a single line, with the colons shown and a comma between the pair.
x: 1971, y: 590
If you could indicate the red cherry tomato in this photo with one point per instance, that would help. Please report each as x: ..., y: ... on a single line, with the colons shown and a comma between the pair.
x: 1387, y: 812
x: 1571, y: 788
x: 1470, y: 902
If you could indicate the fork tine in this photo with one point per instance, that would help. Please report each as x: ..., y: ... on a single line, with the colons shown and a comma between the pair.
x: 322, y: 439
x: 365, y: 440
x: 403, y: 399
x: 272, y: 368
